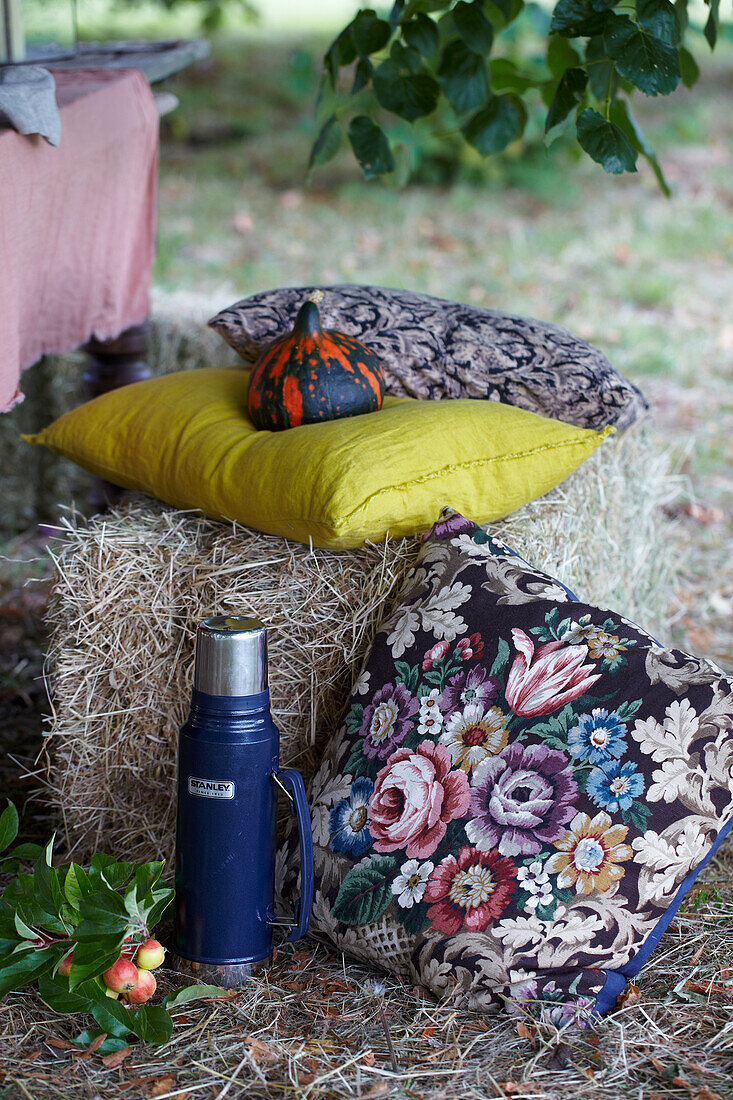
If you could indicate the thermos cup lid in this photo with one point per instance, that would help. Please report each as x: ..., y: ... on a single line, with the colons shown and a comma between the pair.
x: 231, y: 656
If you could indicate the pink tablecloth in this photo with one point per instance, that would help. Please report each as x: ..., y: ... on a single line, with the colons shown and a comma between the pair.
x: 77, y: 223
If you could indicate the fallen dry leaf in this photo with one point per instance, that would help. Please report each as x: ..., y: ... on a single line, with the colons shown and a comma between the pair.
x: 96, y: 1043
x: 526, y: 1032
x: 260, y: 1051
x: 60, y: 1044
x: 117, y: 1057
x: 704, y: 1094
x: 368, y: 1057
x: 163, y: 1085
x: 427, y: 1033
x: 630, y: 996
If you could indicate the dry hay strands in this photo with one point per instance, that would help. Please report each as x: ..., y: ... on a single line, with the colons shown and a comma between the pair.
x: 131, y: 586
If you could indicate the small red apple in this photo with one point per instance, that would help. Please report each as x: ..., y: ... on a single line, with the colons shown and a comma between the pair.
x: 150, y: 955
x: 122, y: 977
x: 144, y: 989
x: 65, y: 965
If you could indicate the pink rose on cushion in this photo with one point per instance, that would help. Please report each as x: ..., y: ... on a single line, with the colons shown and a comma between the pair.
x: 541, y: 682
x: 415, y: 796
x: 437, y: 653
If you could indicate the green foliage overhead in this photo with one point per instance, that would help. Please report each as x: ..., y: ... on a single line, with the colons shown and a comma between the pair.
x: 432, y: 68
x: 48, y: 912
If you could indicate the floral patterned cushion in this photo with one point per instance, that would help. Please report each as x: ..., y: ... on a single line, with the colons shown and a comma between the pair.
x: 522, y: 789
x: 432, y: 348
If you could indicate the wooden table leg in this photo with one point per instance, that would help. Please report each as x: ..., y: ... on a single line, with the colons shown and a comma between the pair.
x: 114, y: 363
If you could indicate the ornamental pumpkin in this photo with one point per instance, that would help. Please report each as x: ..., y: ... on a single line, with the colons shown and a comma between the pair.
x: 313, y: 374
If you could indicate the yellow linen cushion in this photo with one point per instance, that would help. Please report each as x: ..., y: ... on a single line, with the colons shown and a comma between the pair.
x: 186, y: 438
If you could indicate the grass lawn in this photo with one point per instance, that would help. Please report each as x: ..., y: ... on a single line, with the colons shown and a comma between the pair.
x: 649, y: 281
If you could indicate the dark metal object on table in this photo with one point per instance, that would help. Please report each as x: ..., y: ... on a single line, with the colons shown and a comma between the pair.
x: 114, y: 363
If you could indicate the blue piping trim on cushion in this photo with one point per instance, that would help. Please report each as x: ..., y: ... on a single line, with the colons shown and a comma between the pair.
x: 606, y: 999
x: 614, y: 984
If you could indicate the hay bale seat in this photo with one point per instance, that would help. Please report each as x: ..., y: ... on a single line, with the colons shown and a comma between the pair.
x: 130, y: 587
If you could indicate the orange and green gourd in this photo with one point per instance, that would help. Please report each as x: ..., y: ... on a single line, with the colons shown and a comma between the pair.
x: 313, y: 374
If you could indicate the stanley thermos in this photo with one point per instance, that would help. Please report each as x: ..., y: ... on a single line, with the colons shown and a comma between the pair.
x: 229, y: 776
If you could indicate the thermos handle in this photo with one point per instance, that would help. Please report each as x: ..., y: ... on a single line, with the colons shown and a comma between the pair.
x: 294, y: 786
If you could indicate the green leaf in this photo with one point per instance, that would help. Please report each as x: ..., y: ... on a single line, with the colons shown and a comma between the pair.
x: 651, y: 65
x: 354, y: 718
x: 421, y: 34
x: 8, y: 826
x: 403, y: 671
x: 639, y: 815
x: 409, y: 95
x: 413, y: 920
x: 342, y: 51
x: 502, y: 658
x: 23, y: 930
x: 22, y: 852
x: 628, y: 709
x: 56, y: 994
x: 569, y: 93
x: 601, y: 70
x: 622, y: 117
x: 158, y: 910
x: 153, y: 1024
x: 46, y: 886
x: 105, y: 869
x: 660, y: 19
x: 194, y: 993
x: 365, y: 892
x: 605, y: 143
x: 8, y: 931
x: 147, y: 876
x: 561, y: 55
x: 463, y: 77
x: 689, y: 68
x: 113, y: 1017
x: 473, y: 26
x: 499, y: 123
x: 713, y: 22
x: 76, y: 885
x: 505, y: 77
x: 357, y: 763
x: 573, y: 18
x: 93, y: 958
x: 17, y: 971
x: 103, y: 914
x: 369, y: 33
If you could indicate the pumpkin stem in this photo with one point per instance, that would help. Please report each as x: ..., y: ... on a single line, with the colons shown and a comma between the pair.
x: 308, y: 321
x: 315, y: 296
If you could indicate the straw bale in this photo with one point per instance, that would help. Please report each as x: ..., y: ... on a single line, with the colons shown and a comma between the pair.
x: 130, y: 587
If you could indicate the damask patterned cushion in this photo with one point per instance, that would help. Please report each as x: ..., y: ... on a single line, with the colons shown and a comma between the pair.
x: 523, y: 787
x: 431, y: 348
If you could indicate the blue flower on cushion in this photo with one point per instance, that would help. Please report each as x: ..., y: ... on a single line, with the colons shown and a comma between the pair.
x: 598, y: 737
x: 348, y: 821
x: 615, y: 786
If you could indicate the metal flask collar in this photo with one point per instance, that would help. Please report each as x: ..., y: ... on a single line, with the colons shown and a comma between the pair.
x: 231, y: 656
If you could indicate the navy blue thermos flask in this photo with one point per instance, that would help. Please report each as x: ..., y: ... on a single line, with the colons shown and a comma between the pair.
x: 229, y: 777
